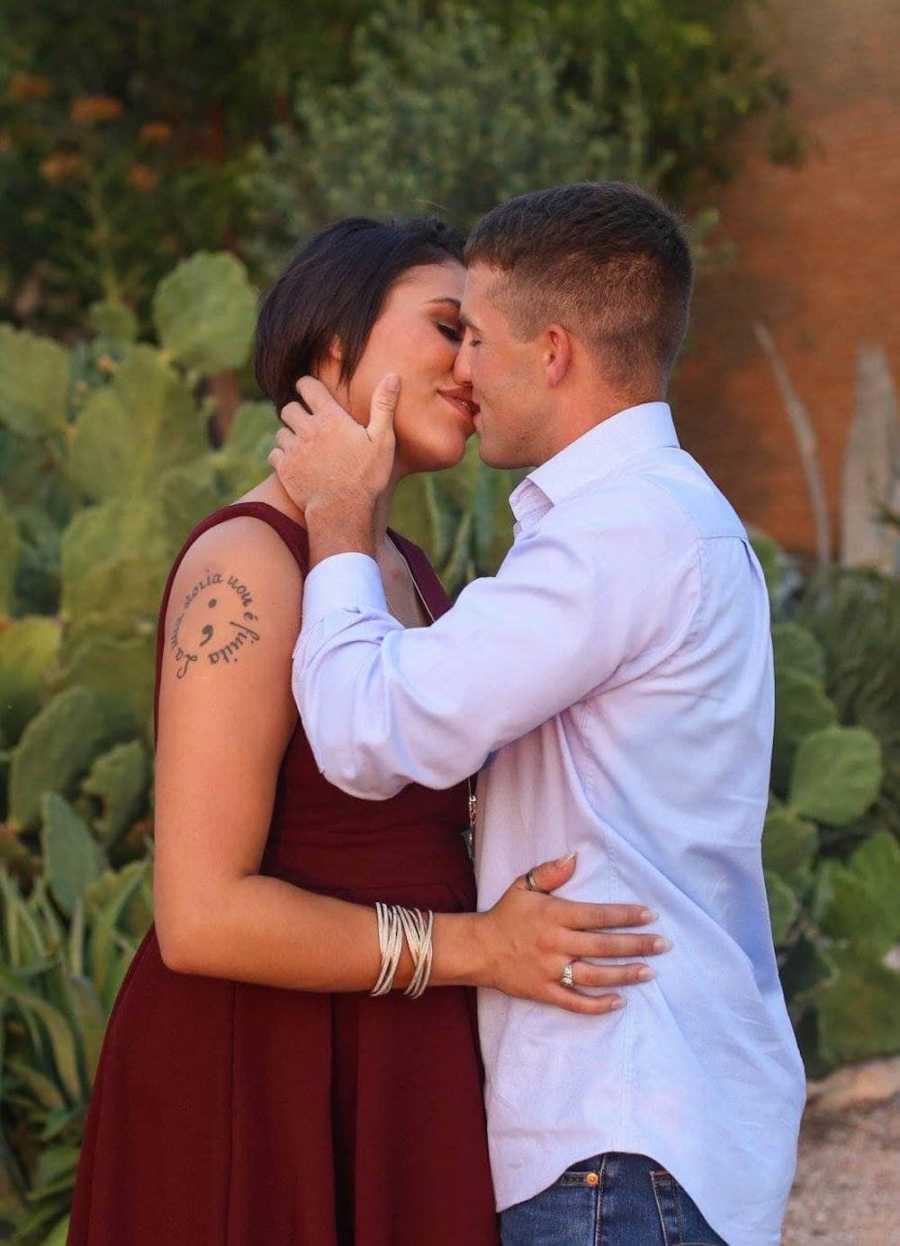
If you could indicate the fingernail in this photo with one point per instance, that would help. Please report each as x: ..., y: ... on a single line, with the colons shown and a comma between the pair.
x: 565, y: 860
x: 645, y: 974
x: 392, y: 382
x: 649, y: 915
x: 617, y: 1003
x: 662, y: 944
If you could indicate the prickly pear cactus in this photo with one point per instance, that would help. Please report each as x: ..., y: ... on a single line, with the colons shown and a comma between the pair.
x: 56, y: 748
x: 830, y: 847
x: 134, y: 429
x: 118, y: 780
x: 106, y: 465
x: 773, y: 564
x: 802, y: 706
x: 837, y: 775
x: 859, y: 1009
x: 113, y: 562
x: 790, y: 845
x: 119, y: 671
x: 205, y: 312
x: 34, y: 392
x: 72, y: 857
x: 113, y: 320
x: 242, y: 462
x: 29, y: 649
x: 10, y: 549
x: 795, y: 648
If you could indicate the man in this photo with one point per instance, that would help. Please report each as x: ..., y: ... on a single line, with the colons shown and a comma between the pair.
x: 613, y: 683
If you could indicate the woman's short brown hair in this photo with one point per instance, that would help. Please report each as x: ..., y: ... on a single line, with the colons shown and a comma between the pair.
x: 335, y: 287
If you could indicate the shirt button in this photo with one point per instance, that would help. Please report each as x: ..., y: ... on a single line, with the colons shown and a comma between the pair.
x: 591, y: 1178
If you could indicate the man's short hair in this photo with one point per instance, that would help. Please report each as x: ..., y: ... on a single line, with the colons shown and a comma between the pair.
x: 607, y: 261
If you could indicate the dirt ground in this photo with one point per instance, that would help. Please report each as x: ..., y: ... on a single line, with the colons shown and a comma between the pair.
x: 847, y: 1191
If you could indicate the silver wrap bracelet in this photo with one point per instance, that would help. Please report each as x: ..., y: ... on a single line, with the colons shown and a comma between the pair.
x: 396, y: 923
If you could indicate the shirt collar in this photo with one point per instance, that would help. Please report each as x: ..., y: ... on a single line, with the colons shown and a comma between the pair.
x: 596, y: 454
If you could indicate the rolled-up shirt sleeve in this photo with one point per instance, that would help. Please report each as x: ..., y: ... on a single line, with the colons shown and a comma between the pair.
x: 383, y: 705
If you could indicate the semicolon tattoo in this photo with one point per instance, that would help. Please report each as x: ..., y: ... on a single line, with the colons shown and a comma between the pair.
x: 215, y: 611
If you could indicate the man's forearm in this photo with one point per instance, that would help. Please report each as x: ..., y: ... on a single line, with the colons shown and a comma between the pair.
x: 345, y: 528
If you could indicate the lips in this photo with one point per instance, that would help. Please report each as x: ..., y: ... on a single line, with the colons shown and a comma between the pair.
x: 459, y: 398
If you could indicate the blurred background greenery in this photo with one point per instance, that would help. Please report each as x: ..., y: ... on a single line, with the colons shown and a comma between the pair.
x: 158, y: 165
x: 133, y: 136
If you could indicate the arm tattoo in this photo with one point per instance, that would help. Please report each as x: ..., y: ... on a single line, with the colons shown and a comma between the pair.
x: 216, y: 612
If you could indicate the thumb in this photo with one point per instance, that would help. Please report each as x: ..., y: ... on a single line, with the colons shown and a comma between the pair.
x: 383, y: 406
x: 552, y: 874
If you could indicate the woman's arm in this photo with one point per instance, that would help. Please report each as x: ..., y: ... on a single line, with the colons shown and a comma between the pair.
x: 226, y: 716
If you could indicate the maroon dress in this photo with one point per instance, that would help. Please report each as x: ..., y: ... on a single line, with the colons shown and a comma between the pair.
x: 229, y: 1114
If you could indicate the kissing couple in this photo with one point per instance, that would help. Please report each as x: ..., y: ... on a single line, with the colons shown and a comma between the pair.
x: 295, y: 1055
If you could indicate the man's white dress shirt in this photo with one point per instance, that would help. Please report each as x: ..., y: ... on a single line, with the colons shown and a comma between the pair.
x: 613, y: 683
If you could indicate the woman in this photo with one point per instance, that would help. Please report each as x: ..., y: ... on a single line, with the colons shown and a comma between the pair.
x: 251, y: 1088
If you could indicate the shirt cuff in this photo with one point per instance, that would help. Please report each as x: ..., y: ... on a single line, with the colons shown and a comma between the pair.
x: 342, y: 582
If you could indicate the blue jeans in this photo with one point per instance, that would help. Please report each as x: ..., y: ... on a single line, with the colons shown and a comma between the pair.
x: 609, y: 1200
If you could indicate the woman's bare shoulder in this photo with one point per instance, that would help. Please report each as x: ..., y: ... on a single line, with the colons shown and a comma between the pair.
x: 237, y: 584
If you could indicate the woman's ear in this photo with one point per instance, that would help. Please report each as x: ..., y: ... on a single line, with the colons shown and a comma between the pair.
x: 328, y: 370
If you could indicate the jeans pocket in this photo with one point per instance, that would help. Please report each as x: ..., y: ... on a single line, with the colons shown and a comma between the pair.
x: 680, y: 1218
x: 565, y: 1214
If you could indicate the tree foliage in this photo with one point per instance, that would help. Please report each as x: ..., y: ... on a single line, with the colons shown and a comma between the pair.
x: 123, y: 132
x: 131, y: 138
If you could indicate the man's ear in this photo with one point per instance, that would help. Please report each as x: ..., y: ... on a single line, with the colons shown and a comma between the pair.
x: 557, y: 354
x: 336, y: 350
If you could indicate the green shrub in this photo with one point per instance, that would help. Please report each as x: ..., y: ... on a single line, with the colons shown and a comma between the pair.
x: 58, y: 981
x: 121, y: 152
x: 109, y: 464
x: 831, y: 844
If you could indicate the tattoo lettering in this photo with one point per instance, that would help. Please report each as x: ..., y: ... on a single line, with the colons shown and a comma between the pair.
x: 181, y: 656
x: 196, y: 627
x: 242, y: 591
x: 241, y: 634
x: 211, y: 578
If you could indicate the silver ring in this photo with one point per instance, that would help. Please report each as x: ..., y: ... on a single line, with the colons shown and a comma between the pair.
x: 530, y: 883
x: 566, y: 978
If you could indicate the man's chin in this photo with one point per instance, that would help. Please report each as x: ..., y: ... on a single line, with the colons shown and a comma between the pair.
x: 491, y: 456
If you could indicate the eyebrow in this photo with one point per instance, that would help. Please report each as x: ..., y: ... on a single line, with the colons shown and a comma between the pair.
x: 447, y: 299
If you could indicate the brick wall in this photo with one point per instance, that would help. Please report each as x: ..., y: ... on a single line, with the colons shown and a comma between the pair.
x: 817, y: 260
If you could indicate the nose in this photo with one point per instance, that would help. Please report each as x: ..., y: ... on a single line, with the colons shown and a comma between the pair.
x: 462, y: 373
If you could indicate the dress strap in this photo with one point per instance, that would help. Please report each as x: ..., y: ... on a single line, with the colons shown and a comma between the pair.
x: 424, y: 574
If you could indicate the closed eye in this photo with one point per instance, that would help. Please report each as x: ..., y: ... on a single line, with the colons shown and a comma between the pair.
x: 450, y: 331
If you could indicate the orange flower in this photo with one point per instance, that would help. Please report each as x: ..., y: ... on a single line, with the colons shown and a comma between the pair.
x: 91, y: 108
x: 156, y: 132
x: 60, y: 167
x: 28, y: 87
x: 143, y: 178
